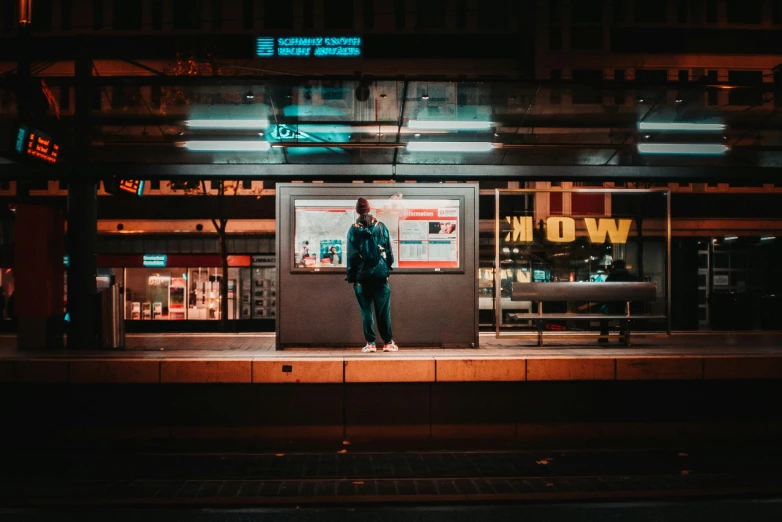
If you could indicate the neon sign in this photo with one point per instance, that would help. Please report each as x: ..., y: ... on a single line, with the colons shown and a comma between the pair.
x: 155, y: 260
x: 308, y: 46
x: 36, y: 144
x: 561, y: 229
x: 132, y: 186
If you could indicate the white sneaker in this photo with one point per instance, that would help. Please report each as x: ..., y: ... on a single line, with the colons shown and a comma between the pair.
x: 390, y: 347
x: 370, y: 347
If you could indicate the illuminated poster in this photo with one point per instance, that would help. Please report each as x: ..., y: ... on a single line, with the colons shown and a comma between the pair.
x: 424, y: 232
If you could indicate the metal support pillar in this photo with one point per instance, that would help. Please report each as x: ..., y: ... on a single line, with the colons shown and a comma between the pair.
x: 82, y: 220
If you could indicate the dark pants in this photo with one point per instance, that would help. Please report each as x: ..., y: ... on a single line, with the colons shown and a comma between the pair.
x: 379, y: 293
x: 609, y: 309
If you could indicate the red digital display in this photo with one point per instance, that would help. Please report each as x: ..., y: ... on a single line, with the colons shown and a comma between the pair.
x: 132, y: 186
x: 42, y: 147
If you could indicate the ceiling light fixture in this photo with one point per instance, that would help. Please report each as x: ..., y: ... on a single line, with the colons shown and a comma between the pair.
x: 702, y: 127
x: 450, y: 146
x: 232, y: 146
x: 449, y: 125
x: 682, y: 148
x: 227, y: 124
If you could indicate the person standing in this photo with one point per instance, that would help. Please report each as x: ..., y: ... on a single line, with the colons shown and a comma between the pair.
x: 619, y: 274
x: 369, y: 261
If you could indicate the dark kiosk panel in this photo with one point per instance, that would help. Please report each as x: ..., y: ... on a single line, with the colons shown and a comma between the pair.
x: 434, y: 235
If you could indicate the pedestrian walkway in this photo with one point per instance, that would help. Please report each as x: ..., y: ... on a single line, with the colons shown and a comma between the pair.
x: 251, y: 358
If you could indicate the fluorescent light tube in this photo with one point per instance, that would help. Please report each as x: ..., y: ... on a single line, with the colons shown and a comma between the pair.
x: 449, y: 146
x: 236, y: 146
x: 449, y: 125
x: 227, y: 124
x: 651, y: 126
x: 682, y: 148
x: 769, y: 238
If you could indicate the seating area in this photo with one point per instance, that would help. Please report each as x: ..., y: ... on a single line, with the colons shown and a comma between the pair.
x: 601, y: 293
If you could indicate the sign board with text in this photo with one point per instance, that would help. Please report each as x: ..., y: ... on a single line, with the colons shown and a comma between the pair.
x: 308, y: 46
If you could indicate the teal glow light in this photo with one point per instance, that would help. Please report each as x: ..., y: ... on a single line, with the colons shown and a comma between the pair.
x: 701, y: 149
x: 155, y: 260
x: 308, y: 46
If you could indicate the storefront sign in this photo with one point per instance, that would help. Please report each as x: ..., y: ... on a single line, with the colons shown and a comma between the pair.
x: 155, y: 260
x: 32, y: 142
x: 562, y: 229
x: 308, y: 46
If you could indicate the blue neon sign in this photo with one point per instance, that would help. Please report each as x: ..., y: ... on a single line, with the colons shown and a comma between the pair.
x: 155, y: 260
x: 308, y: 46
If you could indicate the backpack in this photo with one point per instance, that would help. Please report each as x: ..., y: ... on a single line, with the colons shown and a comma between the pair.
x: 373, y: 264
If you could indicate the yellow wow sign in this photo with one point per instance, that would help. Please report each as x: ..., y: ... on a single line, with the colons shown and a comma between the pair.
x: 562, y: 229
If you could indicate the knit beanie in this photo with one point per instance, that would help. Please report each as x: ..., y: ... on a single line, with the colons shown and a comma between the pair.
x: 362, y: 206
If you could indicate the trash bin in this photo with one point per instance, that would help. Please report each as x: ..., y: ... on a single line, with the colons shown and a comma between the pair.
x: 112, y: 322
x: 771, y: 312
x: 731, y: 311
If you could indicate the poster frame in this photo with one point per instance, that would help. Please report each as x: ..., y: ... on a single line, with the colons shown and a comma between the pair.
x: 460, y: 269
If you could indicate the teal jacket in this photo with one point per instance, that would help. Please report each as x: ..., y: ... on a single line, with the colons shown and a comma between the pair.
x: 356, y: 234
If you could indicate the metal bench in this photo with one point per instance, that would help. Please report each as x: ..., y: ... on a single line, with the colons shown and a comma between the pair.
x: 599, y: 292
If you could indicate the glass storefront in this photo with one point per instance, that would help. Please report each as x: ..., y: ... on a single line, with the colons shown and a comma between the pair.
x: 194, y: 293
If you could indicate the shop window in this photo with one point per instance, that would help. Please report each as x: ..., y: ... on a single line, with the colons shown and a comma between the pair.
x: 750, y: 91
x: 187, y: 14
x: 711, y: 11
x: 248, y: 14
x: 461, y: 14
x: 97, y: 14
x: 744, y: 11
x: 127, y: 14
x: 66, y: 15
x: 307, y: 10
x: 278, y: 15
x: 587, y: 89
x: 554, y: 38
x: 369, y: 14
x: 42, y: 15
x: 338, y: 14
x: 153, y: 294
x: 217, y: 15
x: 156, y: 12
x: 586, y: 12
x: 647, y: 12
x: 399, y: 14
x: 430, y: 14
x: 586, y: 38
x: 683, y: 11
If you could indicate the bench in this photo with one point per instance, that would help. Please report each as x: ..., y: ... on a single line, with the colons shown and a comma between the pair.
x: 600, y: 292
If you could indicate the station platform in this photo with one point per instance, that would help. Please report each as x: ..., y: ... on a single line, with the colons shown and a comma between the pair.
x: 251, y: 358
